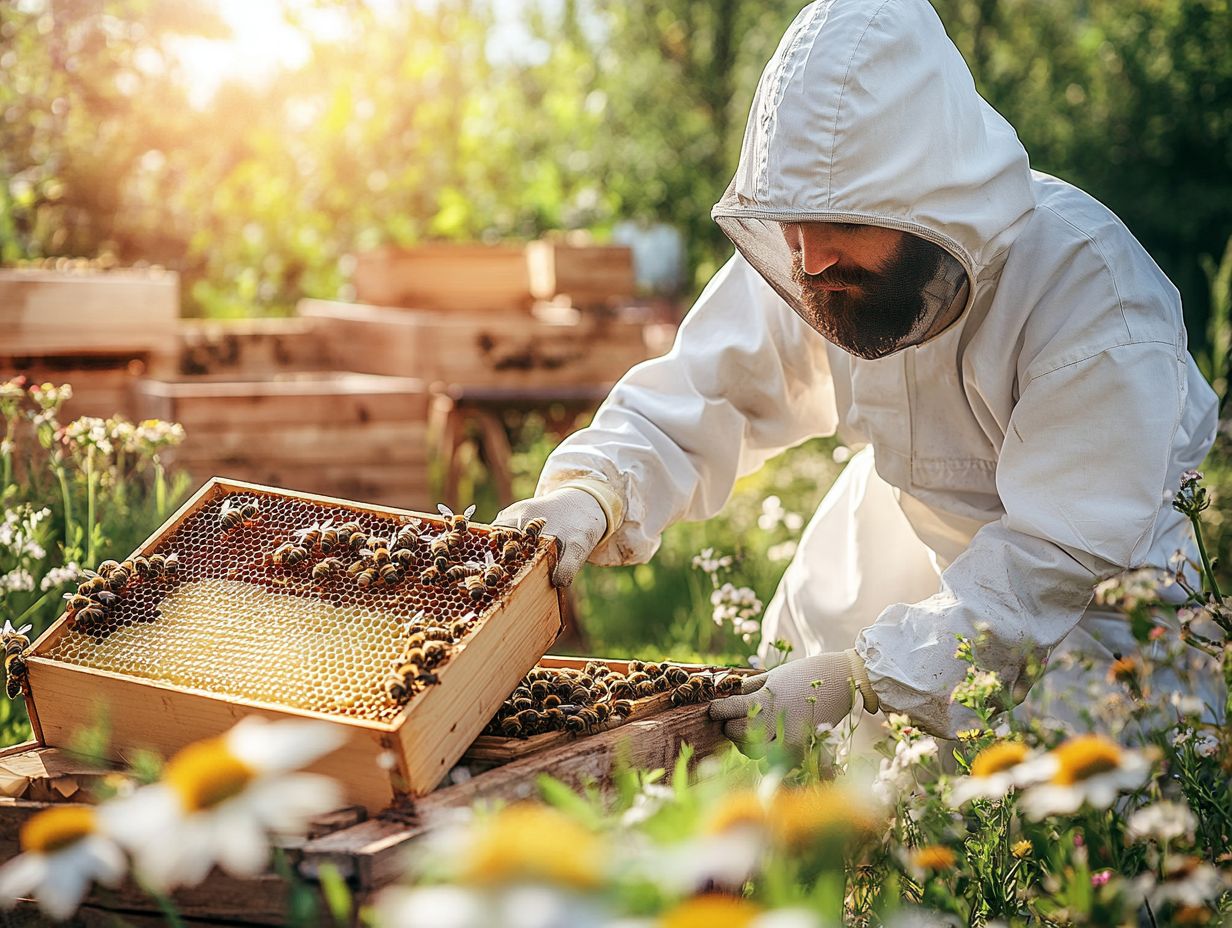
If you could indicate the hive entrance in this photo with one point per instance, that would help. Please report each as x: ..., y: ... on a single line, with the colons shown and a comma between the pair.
x: 321, y: 628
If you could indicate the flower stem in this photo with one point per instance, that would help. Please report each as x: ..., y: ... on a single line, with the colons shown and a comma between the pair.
x: 90, y: 481
x: 68, y: 504
x: 1211, y: 584
x: 32, y: 607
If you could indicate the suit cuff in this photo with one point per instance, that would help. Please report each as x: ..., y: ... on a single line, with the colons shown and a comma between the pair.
x: 608, y: 499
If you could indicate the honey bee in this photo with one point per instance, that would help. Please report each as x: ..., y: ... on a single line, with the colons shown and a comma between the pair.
x: 453, y: 539
x: 644, y: 689
x: 522, y: 702
x: 91, y: 585
x: 395, y: 688
x: 377, y: 541
x: 457, y: 522
x: 234, y: 514
x: 356, y: 568
x: 475, y: 588
x: 676, y: 675
x: 106, y: 567
x: 117, y: 579
x: 622, y: 707
x: 358, y: 541
x: 310, y: 537
x: 141, y: 565
x: 689, y: 691
x: 534, y: 528
x: 540, y: 688
x: 412, y: 660
x: 329, y: 538
x: 380, y: 553
x: 636, y: 666
x: 404, y: 557
x: 430, y: 575
x: 289, y: 555
x: 89, y: 615
x: 493, y: 573
x: 171, y: 563
x: 328, y: 568
x: 105, y: 597
x: 77, y: 602
x: 439, y: 546
x: 511, y: 727
x: 435, y: 652
x: 653, y: 669
x: 552, y: 701
x: 575, y: 724
x: 728, y: 685
x: 437, y: 633
x: 457, y: 573
x: 366, y: 577
x: 390, y: 573
x: 15, y: 644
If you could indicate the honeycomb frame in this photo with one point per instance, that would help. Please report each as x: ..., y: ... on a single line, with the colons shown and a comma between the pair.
x: 407, y: 751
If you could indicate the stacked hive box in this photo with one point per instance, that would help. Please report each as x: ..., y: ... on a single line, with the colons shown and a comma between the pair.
x: 98, y: 330
x: 235, y: 630
x: 355, y: 435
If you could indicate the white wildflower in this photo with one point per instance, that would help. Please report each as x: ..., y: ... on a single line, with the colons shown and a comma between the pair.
x: 1085, y: 770
x: 58, y: 576
x: 1163, y: 821
x: 782, y: 552
x: 17, y: 580
x: 707, y: 563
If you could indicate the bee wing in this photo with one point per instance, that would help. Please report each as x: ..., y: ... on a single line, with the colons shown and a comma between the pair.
x: 327, y: 524
x: 24, y: 629
x: 470, y: 511
x: 107, y: 596
x: 444, y: 510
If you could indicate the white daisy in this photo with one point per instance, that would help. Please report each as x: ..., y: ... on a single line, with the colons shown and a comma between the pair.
x: 1187, y: 881
x: 1087, y: 769
x: 994, y: 771
x: 219, y: 800
x: 64, y: 851
x: 1163, y: 822
x: 518, y: 906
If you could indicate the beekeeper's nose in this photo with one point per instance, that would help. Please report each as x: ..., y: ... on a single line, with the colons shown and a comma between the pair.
x: 817, y: 256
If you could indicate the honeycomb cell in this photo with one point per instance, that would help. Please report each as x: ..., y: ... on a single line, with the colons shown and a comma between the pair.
x: 228, y: 616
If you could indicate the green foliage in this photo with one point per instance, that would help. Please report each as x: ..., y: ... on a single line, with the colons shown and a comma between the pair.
x: 418, y: 121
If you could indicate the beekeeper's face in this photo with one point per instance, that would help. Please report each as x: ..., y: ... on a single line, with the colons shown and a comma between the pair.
x: 861, y: 286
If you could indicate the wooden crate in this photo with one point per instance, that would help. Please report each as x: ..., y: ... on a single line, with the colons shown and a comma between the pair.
x: 381, y: 760
x: 585, y: 275
x: 91, y: 312
x: 360, y: 436
x: 249, y: 347
x: 445, y: 276
x: 103, y: 385
x: 478, y: 350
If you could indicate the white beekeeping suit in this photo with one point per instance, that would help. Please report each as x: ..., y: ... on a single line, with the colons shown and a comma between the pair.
x: 1020, y: 455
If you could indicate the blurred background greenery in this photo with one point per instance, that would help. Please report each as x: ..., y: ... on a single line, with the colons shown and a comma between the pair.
x: 253, y: 146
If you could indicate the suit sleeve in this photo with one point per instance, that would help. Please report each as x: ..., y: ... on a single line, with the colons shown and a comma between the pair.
x: 745, y: 379
x: 1085, y: 475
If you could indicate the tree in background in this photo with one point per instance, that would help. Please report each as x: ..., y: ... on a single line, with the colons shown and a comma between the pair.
x: 412, y: 122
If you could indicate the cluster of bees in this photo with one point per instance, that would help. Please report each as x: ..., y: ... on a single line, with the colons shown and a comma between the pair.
x: 411, y: 550
x: 565, y: 699
x: 87, y: 608
x: 14, y: 642
x: 427, y: 646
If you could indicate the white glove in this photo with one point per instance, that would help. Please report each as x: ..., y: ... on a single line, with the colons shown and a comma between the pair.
x: 578, y: 514
x: 812, y: 691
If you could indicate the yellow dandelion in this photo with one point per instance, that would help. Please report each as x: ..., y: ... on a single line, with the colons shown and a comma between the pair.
x: 710, y: 910
x: 997, y: 758
x: 1021, y: 849
x: 1123, y: 670
x: 933, y: 859
x: 535, y: 843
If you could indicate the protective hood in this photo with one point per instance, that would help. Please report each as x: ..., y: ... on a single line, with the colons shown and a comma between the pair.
x: 868, y: 114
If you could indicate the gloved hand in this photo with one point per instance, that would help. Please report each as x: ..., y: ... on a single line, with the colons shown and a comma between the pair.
x: 808, y: 692
x: 578, y: 515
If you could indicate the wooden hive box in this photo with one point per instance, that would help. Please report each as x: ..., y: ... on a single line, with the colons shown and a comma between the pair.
x: 587, y: 275
x: 181, y: 657
x: 124, y: 311
x: 445, y: 276
x: 242, y: 348
x: 360, y: 436
x: 513, y: 350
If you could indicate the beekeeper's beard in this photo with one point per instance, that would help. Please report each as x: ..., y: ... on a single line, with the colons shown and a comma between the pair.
x: 882, y: 309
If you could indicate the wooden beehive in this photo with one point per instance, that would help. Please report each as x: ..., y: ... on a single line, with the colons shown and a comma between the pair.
x: 480, y: 350
x: 359, y: 436
x: 244, y: 348
x: 305, y: 648
x: 445, y: 276
x: 585, y: 275
x: 124, y: 311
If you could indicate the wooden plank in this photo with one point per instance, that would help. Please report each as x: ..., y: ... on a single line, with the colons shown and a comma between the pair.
x: 444, y: 276
x: 511, y: 351
x: 49, y: 312
x: 387, y: 443
x: 373, y: 853
x: 330, y: 398
x: 247, y: 347
x: 587, y: 275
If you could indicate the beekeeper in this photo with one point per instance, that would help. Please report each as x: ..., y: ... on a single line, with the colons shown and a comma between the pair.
x: 1009, y: 358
